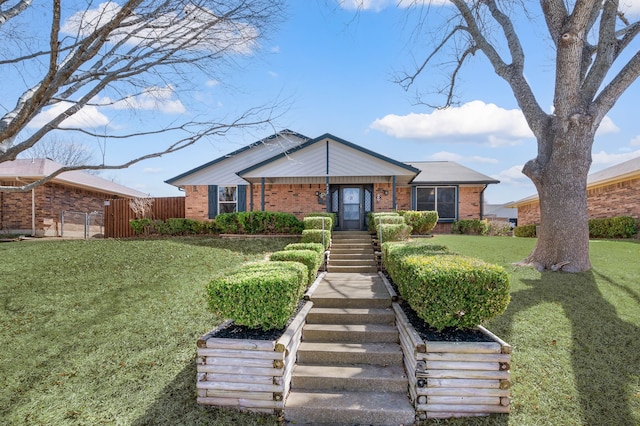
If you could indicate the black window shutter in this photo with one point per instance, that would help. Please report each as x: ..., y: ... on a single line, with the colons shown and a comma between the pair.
x: 213, y: 201
x: 242, y: 198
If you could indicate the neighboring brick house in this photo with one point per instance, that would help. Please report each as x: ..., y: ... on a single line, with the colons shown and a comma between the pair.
x: 289, y: 172
x: 614, y: 191
x: 38, y: 212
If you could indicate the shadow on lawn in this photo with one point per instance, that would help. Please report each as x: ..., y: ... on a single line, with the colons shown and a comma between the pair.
x: 176, y: 405
x: 605, y: 353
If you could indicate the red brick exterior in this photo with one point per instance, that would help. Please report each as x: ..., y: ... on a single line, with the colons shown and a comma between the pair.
x: 469, y: 202
x: 50, y: 200
x: 196, y: 202
x: 615, y: 199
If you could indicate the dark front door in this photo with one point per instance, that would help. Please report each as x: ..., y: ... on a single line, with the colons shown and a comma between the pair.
x: 351, y: 211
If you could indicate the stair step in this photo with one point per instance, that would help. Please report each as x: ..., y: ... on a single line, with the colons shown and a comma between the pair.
x: 337, y: 252
x: 356, y: 377
x: 370, y: 408
x: 351, y: 333
x: 354, y: 261
x: 350, y: 316
x: 351, y: 303
x: 349, y: 353
x: 351, y: 269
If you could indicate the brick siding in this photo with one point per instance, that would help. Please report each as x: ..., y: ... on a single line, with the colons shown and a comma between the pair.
x: 50, y: 200
x: 617, y: 199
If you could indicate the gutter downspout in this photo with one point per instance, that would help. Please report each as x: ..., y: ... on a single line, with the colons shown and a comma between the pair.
x: 482, y: 202
x: 33, y: 212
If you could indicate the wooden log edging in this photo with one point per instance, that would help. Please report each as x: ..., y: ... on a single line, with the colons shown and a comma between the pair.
x: 250, y: 375
x: 455, y: 379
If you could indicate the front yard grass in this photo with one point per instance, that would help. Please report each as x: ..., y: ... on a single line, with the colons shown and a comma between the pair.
x: 103, y: 332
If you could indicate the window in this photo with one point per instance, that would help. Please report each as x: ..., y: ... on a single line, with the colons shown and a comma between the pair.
x: 439, y: 198
x: 227, y: 199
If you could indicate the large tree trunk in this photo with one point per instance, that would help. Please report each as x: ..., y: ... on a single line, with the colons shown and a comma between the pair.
x: 560, y: 175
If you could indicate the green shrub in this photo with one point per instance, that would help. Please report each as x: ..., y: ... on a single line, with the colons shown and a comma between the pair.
x: 499, y: 228
x: 372, y: 217
x: 525, y: 231
x: 316, y: 236
x: 180, y: 226
x: 331, y: 215
x: 306, y: 246
x: 614, y: 227
x: 453, y: 291
x: 386, y: 220
x: 316, y: 222
x: 392, y: 252
x: 261, y: 295
x: 311, y: 259
x: 394, y: 232
x: 259, y: 222
x: 142, y: 226
x: 470, y: 226
x: 421, y: 222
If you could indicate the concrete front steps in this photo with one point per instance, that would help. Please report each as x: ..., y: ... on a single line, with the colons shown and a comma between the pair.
x: 351, y: 252
x: 349, y: 368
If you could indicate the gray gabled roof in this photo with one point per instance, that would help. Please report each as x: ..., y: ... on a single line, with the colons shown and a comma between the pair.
x: 448, y: 172
x: 35, y: 169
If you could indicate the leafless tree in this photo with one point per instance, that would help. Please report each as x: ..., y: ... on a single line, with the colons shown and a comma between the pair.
x: 113, y: 54
x: 595, y: 63
x: 65, y: 153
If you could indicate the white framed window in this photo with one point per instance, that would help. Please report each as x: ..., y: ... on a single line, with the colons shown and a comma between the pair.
x: 443, y: 199
x: 227, y: 199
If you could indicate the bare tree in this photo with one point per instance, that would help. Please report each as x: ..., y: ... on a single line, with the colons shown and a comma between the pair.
x: 65, y: 153
x: 113, y: 54
x: 595, y: 63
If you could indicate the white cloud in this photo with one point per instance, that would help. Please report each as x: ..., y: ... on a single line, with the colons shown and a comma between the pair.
x: 512, y: 176
x: 170, y: 28
x: 212, y: 83
x: 273, y: 74
x: 630, y: 7
x: 475, y: 121
x: 88, y: 116
x: 635, y: 141
x: 452, y: 156
x: 602, y: 158
x: 151, y: 99
x: 378, y: 5
x: 607, y: 126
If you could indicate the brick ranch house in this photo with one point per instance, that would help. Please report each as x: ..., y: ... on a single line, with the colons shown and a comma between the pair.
x: 289, y: 172
x: 38, y: 212
x: 614, y: 191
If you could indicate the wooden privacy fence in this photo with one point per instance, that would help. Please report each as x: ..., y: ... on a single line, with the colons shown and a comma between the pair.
x: 118, y: 213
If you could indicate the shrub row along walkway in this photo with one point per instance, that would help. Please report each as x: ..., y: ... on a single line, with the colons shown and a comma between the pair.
x: 349, y: 368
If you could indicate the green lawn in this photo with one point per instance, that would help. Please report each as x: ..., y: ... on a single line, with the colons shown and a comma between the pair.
x: 103, y: 332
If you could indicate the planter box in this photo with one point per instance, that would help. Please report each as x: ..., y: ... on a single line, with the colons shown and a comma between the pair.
x: 455, y: 379
x: 251, y: 375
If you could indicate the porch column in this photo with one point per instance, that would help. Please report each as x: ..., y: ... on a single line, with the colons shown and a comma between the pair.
x: 250, y: 196
x: 393, y: 191
x: 261, y: 194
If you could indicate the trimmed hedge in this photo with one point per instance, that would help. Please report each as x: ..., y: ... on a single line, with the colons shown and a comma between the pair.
x: 471, y: 227
x: 306, y: 246
x: 252, y: 223
x: 315, y: 236
x: 263, y: 295
x: 453, y: 291
x: 526, y: 231
x: 387, y: 220
x: 373, y: 217
x: 614, y: 227
x: 394, y: 232
x: 315, y: 222
x: 421, y: 222
x: 331, y: 215
x: 392, y: 252
x: 311, y: 259
x: 172, y: 226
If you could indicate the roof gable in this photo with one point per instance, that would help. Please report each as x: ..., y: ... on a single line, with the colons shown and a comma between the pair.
x: 224, y: 169
x: 330, y: 156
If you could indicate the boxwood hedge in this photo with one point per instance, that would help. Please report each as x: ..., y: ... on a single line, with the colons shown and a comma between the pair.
x: 452, y: 291
x: 421, y: 222
x: 312, y: 259
x: 263, y: 295
x: 392, y: 252
x: 316, y: 222
x: 316, y: 236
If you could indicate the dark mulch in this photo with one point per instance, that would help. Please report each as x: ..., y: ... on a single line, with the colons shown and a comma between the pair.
x: 235, y: 331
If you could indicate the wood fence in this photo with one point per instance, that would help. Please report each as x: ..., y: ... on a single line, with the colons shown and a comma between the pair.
x: 118, y: 213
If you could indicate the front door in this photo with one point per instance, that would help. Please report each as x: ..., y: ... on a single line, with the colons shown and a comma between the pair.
x: 351, y: 210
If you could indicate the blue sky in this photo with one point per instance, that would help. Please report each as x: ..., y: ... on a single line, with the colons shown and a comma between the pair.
x: 334, y: 68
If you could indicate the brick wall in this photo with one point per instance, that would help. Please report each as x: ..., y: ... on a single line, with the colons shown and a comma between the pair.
x: 469, y: 202
x: 617, y: 199
x: 297, y: 199
x: 196, y: 202
x: 50, y: 200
